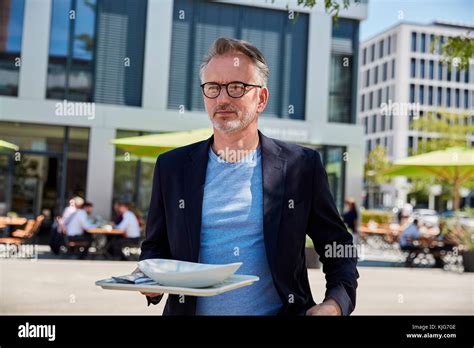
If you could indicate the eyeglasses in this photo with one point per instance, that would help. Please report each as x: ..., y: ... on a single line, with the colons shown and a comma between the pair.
x: 235, y: 89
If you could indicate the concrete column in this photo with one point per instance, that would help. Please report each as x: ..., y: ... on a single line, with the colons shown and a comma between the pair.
x: 317, y: 82
x: 157, y: 54
x: 35, y: 49
x: 100, y: 170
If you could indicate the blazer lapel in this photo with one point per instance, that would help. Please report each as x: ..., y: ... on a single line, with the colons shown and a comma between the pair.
x: 273, y: 175
x: 194, y: 178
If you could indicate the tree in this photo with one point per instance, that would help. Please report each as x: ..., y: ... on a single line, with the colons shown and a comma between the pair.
x: 444, y: 130
x: 377, y: 162
x: 457, y: 51
x: 331, y: 7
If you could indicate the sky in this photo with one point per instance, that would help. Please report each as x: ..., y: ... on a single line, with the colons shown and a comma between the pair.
x: 383, y: 14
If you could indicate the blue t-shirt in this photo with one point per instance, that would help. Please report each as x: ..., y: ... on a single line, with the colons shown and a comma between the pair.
x: 232, y: 231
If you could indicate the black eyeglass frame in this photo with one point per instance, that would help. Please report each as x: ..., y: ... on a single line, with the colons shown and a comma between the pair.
x: 246, y: 85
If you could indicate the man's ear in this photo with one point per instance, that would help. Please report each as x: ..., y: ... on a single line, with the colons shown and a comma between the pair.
x: 262, y: 99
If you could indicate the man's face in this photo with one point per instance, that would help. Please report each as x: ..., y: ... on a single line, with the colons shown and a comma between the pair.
x: 227, y: 114
x: 88, y: 210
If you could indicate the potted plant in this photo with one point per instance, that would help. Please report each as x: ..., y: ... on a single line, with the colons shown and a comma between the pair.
x: 463, y: 236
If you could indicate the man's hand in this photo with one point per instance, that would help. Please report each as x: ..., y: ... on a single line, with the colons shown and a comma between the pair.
x: 149, y: 294
x: 328, y: 307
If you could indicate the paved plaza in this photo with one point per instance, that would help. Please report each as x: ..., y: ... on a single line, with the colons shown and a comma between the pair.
x: 67, y: 287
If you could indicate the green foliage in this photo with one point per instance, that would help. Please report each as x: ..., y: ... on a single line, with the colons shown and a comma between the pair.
x: 457, y: 51
x: 377, y: 162
x: 332, y: 7
x: 448, y: 130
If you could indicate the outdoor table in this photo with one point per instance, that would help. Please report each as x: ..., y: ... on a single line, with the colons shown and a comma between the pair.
x: 101, y: 231
x: 6, y: 222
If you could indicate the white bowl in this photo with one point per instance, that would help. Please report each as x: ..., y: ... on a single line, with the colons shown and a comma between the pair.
x: 186, y: 274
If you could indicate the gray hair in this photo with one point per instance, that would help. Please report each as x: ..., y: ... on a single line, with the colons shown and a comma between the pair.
x: 225, y: 45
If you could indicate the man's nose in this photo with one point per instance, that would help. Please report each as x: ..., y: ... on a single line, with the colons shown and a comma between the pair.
x: 223, y: 97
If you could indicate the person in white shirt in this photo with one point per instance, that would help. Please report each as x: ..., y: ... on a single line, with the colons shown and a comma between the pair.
x: 78, y: 222
x: 130, y: 224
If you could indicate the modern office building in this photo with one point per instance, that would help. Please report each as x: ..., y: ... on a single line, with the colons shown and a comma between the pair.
x: 400, y: 71
x: 137, y: 63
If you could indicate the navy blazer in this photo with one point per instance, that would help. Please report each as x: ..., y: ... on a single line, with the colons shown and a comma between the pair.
x: 296, y: 202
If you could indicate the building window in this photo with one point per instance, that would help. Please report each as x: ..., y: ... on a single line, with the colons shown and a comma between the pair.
x: 458, y: 75
x: 379, y: 97
x: 466, y: 75
x: 422, y: 68
x: 413, y: 68
x: 382, y: 122
x: 374, y: 123
x: 413, y: 42
x: 364, y: 56
x: 362, y: 102
x: 457, y: 97
x: 440, y: 71
x: 381, y: 49
x: 384, y: 72
x: 387, y: 93
x: 372, y: 53
x: 430, y: 95
x: 440, y: 96
x: 282, y: 41
x: 423, y: 43
x: 367, y: 78
x: 431, y: 72
x: 11, y: 30
x: 393, y: 68
x: 391, y: 122
x: 376, y: 75
x: 421, y: 96
x: 448, y: 72
x: 412, y: 93
x: 448, y: 97
x: 389, y: 45
x: 466, y: 98
x: 371, y: 100
x: 366, y: 125
x: 343, y: 78
x: 97, y: 55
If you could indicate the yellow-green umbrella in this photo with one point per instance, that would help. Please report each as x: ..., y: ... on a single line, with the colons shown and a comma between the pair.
x: 155, y: 144
x: 8, y: 146
x: 455, y: 165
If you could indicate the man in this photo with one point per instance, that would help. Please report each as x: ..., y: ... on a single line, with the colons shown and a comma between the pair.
x: 408, y: 236
x: 130, y: 225
x: 78, y: 222
x: 240, y: 196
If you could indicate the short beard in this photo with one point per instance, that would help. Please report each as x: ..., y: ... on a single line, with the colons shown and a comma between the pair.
x: 236, y: 125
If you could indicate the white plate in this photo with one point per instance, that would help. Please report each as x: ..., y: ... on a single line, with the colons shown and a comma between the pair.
x: 233, y: 282
x: 186, y: 274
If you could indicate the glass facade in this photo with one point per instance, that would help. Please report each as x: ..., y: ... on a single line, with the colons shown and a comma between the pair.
x: 96, y: 51
x: 133, y: 176
x: 49, y: 168
x: 11, y: 29
x: 343, y: 73
x: 196, y: 24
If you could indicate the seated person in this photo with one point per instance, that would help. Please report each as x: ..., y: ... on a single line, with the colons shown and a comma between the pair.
x: 76, y: 225
x: 131, y: 226
x: 408, y: 236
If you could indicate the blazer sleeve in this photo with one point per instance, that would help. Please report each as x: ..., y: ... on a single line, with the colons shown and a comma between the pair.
x: 156, y: 244
x: 327, y: 230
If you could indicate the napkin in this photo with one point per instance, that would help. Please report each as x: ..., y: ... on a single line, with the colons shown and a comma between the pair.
x: 135, y: 278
